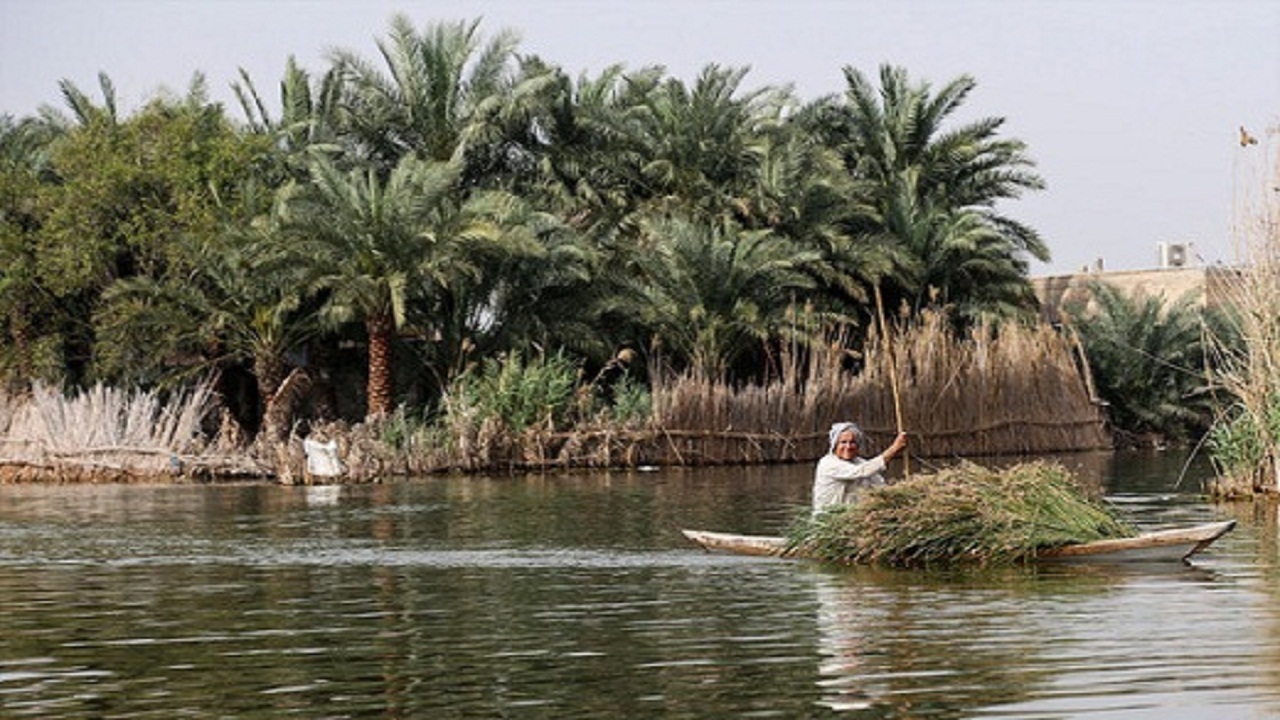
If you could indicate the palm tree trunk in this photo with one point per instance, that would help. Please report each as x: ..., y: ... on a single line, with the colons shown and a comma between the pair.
x: 269, y: 372
x: 19, y: 322
x: 380, y: 329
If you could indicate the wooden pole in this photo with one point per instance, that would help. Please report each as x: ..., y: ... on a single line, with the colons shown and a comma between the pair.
x: 893, y: 378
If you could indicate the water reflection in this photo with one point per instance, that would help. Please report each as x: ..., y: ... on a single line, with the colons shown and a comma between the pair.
x: 1259, y: 521
x: 574, y: 596
x: 901, y: 644
x: 1032, y: 641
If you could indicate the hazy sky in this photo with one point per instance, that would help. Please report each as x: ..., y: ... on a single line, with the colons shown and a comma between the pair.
x: 1131, y: 108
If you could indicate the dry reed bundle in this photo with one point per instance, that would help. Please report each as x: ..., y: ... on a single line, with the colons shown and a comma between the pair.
x: 966, y: 514
x: 104, y: 427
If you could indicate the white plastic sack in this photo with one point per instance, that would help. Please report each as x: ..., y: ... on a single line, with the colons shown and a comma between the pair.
x: 322, y: 458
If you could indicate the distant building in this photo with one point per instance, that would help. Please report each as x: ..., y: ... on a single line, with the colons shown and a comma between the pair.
x: 1176, y: 274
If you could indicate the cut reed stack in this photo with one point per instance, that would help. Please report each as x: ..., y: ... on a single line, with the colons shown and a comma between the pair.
x: 967, y: 514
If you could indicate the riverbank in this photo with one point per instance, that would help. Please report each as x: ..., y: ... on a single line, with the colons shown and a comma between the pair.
x: 361, y: 458
x: 1016, y: 391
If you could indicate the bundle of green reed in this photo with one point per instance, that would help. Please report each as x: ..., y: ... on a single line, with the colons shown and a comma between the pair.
x: 965, y: 514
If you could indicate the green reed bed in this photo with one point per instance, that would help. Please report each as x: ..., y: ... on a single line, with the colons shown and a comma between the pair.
x: 965, y: 514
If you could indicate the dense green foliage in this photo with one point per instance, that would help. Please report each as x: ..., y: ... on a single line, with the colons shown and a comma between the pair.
x: 398, y: 219
x: 1240, y: 444
x: 1150, y: 361
x: 929, y: 193
x: 520, y: 394
x: 964, y: 514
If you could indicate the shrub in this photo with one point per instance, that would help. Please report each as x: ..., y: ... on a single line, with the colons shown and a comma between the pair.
x: 632, y: 402
x: 520, y: 394
x: 1239, y: 446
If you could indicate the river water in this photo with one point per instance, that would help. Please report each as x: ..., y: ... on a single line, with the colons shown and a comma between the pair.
x: 574, y: 596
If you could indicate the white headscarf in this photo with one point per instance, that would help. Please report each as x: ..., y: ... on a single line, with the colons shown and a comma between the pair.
x: 839, y: 429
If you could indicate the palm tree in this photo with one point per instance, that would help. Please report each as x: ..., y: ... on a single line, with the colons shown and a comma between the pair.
x: 956, y: 258
x: 309, y: 115
x: 703, y: 145
x: 239, y: 305
x: 803, y: 194
x: 628, y: 143
x: 548, y: 295
x: 84, y: 111
x: 374, y: 246
x: 445, y: 95
x: 592, y: 148
x: 715, y: 293
x: 629, y: 156
x: 1148, y: 360
x: 912, y: 174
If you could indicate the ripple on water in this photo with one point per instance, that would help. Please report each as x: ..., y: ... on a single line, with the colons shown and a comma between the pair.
x: 267, y: 603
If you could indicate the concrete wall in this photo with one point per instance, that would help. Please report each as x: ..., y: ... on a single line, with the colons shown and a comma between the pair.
x: 1206, y: 284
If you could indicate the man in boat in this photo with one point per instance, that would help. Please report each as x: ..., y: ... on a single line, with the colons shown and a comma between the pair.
x: 842, y: 474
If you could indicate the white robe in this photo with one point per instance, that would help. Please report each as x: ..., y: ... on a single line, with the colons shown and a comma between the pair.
x: 840, y: 482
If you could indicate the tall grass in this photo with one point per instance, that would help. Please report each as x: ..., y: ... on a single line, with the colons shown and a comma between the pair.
x: 529, y: 412
x: 519, y: 393
x: 1009, y: 389
x: 1247, y: 443
x: 104, y: 429
x: 106, y: 418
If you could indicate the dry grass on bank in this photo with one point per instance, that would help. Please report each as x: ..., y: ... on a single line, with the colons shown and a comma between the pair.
x: 1015, y: 389
x: 1250, y: 367
x: 104, y: 434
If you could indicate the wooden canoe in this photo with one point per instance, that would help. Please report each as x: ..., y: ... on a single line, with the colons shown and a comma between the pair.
x: 1162, y: 545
